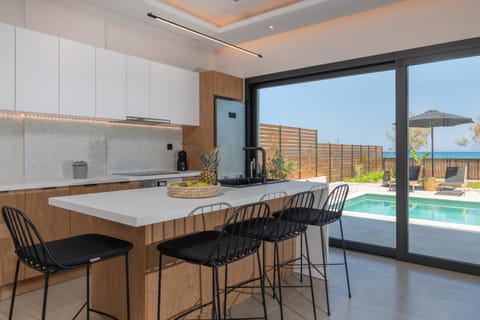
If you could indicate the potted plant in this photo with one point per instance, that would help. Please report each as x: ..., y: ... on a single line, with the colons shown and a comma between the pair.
x: 429, y: 183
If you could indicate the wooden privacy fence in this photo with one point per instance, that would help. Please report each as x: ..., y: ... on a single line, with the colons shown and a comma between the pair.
x: 441, y: 164
x: 312, y: 159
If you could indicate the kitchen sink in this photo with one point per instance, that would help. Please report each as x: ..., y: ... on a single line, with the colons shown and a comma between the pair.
x: 246, y: 182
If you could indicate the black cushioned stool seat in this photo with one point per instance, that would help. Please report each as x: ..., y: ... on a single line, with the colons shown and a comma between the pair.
x: 83, y: 249
x: 274, y: 230
x: 198, y: 248
x: 317, y: 217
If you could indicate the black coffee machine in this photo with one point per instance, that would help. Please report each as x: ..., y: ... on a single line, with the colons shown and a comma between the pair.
x: 182, y: 161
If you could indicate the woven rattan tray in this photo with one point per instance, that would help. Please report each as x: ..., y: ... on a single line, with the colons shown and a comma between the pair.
x: 192, y: 192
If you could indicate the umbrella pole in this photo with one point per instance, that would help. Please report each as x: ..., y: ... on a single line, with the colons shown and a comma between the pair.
x: 433, y: 163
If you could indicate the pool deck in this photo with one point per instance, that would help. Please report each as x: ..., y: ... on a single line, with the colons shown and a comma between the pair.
x: 444, y: 240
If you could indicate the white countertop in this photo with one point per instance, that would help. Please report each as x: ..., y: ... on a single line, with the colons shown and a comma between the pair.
x: 68, y: 182
x: 140, y: 207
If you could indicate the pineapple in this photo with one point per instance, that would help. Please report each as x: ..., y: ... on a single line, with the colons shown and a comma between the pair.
x: 210, y: 163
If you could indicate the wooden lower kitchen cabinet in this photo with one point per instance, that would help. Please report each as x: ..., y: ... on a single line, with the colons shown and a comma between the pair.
x: 53, y: 223
x: 80, y: 223
x: 8, y: 260
x: 184, y: 285
x: 122, y: 186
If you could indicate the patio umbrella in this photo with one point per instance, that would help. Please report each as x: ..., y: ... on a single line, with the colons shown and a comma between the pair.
x: 434, y: 118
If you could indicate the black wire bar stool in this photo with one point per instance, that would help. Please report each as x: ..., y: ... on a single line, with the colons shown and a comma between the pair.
x: 216, y: 249
x: 61, y: 255
x: 199, y: 212
x: 328, y: 213
x: 277, y: 230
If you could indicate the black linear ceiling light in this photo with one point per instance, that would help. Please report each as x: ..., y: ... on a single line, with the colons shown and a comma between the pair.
x: 176, y: 25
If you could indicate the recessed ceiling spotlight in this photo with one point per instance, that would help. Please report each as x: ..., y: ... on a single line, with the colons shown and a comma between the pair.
x: 271, y: 27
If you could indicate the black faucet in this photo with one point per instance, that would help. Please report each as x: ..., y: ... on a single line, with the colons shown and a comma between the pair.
x: 263, y: 175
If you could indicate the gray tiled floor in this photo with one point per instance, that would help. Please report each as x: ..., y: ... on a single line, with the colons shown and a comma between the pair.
x: 382, y: 289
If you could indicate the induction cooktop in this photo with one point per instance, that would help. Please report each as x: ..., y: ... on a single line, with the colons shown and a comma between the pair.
x: 145, y: 173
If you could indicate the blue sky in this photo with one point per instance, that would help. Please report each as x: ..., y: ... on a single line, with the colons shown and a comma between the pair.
x: 360, y: 109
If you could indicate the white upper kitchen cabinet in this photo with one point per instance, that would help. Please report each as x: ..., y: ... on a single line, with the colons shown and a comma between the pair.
x: 77, y: 79
x: 184, y: 97
x: 138, y: 87
x: 36, y: 72
x: 111, y: 72
x: 159, y: 91
x: 7, y: 67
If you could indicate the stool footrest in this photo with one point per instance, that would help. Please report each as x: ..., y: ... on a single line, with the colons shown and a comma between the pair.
x: 94, y: 311
x: 103, y: 314
x: 195, y: 308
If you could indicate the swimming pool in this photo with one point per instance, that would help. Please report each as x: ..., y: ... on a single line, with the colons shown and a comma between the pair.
x: 451, y: 211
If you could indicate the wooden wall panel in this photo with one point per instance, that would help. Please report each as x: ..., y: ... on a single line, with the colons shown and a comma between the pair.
x: 228, y: 86
x: 201, y: 138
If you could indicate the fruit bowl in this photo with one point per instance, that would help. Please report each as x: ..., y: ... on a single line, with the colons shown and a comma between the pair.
x: 189, y: 190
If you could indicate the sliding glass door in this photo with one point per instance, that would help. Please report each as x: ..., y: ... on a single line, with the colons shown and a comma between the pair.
x: 444, y: 216
x: 402, y: 129
x: 338, y: 129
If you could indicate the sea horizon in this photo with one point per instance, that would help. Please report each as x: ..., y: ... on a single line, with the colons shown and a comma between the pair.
x: 441, y: 154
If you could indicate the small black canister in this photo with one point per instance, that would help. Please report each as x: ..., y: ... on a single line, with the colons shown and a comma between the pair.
x: 182, y: 161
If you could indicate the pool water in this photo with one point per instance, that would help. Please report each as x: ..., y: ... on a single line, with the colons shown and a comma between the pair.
x: 462, y: 212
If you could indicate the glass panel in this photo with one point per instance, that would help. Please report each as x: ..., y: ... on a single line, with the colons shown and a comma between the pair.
x: 230, y: 137
x: 338, y: 130
x: 444, y: 214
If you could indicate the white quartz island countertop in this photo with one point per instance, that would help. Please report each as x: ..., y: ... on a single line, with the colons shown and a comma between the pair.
x: 141, y: 207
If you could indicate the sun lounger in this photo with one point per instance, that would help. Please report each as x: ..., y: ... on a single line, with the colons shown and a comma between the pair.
x: 413, y: 174
x: 455, y: 177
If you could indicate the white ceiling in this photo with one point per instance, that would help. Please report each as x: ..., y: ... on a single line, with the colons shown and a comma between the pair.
x: 222, y: 13
x: 237, y: 21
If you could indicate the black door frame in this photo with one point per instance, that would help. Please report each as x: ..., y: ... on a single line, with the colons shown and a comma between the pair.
x: 398, y: 61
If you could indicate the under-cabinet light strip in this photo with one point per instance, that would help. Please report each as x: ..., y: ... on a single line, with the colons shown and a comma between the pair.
x: 35, y: 116
x: 203, y: 35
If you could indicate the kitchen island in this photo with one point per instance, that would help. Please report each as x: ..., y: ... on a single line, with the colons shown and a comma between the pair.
x: 146, y: 217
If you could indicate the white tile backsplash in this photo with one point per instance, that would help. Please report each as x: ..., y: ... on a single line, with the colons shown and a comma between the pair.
x: 45, y: 149
x: 52, y: 146
x: 132, y: 148
x: 11, y: 146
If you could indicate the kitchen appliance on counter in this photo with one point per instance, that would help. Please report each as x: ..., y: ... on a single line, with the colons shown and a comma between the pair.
x: 80, y: 169
x: 230, y: 137
x: 182, y: 161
